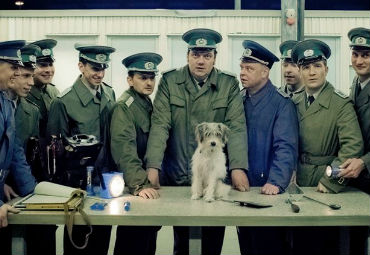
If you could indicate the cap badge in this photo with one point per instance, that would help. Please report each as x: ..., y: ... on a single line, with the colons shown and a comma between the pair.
x: 247, y: 52
x: 308, y: 53
x: 101, y: 57
x: 19, y: 53
x: 289, y: 53
x: 201, y: 42
x: 32, y: 58
x: 149, y: 65
x: 46, y: 52
x: 360, y: 40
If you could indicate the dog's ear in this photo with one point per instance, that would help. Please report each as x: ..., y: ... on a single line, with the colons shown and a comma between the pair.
x: 224, y: 132
x: 199, y: 132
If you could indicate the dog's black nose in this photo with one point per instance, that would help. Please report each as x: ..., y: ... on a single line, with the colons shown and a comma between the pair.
x: 213, y: 143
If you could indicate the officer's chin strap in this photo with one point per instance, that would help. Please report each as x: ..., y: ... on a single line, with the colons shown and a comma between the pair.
x: 69, y: 219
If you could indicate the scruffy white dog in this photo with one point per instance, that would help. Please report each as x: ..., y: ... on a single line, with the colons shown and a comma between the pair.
x: 209, y: 162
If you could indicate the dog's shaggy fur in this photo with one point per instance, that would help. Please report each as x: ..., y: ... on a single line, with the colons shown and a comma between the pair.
x: 209, y: 162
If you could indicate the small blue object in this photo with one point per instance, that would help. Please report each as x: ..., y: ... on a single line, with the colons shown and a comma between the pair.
x: 109, y: 179
x: 127, y: 206
x: 98, y: 206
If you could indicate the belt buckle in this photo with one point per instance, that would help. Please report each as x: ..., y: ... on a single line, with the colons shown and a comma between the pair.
x: 305, y: 159
x: 341, y: 180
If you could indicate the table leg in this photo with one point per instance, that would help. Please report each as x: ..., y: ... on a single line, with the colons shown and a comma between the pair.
x: 18, y: 242
x: 195, y: 240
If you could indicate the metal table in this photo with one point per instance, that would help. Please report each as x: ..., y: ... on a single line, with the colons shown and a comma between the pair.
x: 175, y: 208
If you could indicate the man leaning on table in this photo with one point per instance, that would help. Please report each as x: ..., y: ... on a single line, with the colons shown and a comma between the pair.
x: 12, y: 156
x: 329, y: 134
x: 195, y: 93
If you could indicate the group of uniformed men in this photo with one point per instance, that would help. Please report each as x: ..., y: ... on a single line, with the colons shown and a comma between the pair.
x: 303, y: 127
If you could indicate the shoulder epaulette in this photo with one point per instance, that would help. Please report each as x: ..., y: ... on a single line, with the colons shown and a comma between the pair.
x: 126, y: 99
x: 30, y: 102
x: 282, y: 92
x: 340, y: 93
x: 229, y: 73
x: 65, y: 92
x: 129, y: 101
x: 168, y: 71
x: 107, y: 85
x: 52, y: 84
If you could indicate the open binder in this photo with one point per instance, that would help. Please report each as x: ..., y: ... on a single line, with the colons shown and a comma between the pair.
x: 51, y: 196
x: 54, y: 197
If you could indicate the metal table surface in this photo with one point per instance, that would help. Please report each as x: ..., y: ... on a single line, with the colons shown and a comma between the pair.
x: 175, y: 208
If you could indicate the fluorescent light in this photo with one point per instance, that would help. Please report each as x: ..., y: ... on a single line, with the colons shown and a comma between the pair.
x: 19, y: 3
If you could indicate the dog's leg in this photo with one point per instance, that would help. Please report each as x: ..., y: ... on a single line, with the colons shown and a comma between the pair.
x: 209, y: 195
x: 196, y: 186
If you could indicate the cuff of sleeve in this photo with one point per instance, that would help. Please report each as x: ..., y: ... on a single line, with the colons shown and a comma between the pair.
x: 334, y: 185
x: 238, y: 168
x: 153, y: 165
x: 366, y: 159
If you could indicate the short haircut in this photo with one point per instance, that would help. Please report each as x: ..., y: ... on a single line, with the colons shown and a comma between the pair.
x: 324, y: 60
x: 132, y: 73
x: 203, y: 50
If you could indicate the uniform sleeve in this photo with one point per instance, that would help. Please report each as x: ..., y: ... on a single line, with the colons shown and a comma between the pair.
x: 124, y: 149
x: 350, y: 142
x: 21, y: 171
x: 366, y: 159
x: 58, y: 119
x: 285, y: 146
x: 161, y: 124
x: 237, y: 145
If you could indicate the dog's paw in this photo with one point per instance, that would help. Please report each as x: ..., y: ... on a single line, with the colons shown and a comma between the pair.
x: 209, y: 199
x: 195, y: 196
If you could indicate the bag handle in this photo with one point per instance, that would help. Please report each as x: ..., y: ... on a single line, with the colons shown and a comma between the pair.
x: 69, y: 219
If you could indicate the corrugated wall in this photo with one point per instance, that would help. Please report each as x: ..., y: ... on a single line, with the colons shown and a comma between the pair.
x: 35, y: 25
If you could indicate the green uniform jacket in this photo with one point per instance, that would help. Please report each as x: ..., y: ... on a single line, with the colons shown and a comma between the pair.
x: 178, y: 107
x: 78, y: 111
x: 42, y: 98
x: 329, y: 132
x: 362, y: 107
x: 129, y: 136
x: 27, y: 117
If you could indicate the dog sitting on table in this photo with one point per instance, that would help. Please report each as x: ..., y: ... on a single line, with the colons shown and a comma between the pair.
x: 209, y: 162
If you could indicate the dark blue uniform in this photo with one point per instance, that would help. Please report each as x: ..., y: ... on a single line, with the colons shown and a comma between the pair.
x: 12, y: 157
x: 272, y: 152
x: 272, y: 137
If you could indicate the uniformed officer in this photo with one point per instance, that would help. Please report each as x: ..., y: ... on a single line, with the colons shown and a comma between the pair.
x: 129, y: 135
x: 195, y: 93
x: 27, y: 113
x: 292, y: 80
x: 85, y: 108
x: 358, y: 169
x: 27, y: 117
x: 272, y: 142
x: 329, y: 134
x: 44, y: 91
x: 12, y: 157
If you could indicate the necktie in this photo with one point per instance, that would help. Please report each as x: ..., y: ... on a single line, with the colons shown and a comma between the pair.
x: 310, y: 100
x: 200, y: 84
x: 358, y: 89
x: 98, y: 95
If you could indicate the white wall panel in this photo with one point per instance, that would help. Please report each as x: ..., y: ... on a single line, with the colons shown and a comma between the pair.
x: 102, y: 24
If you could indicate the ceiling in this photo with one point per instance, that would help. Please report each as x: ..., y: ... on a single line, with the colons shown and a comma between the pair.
x: 173, y: 4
